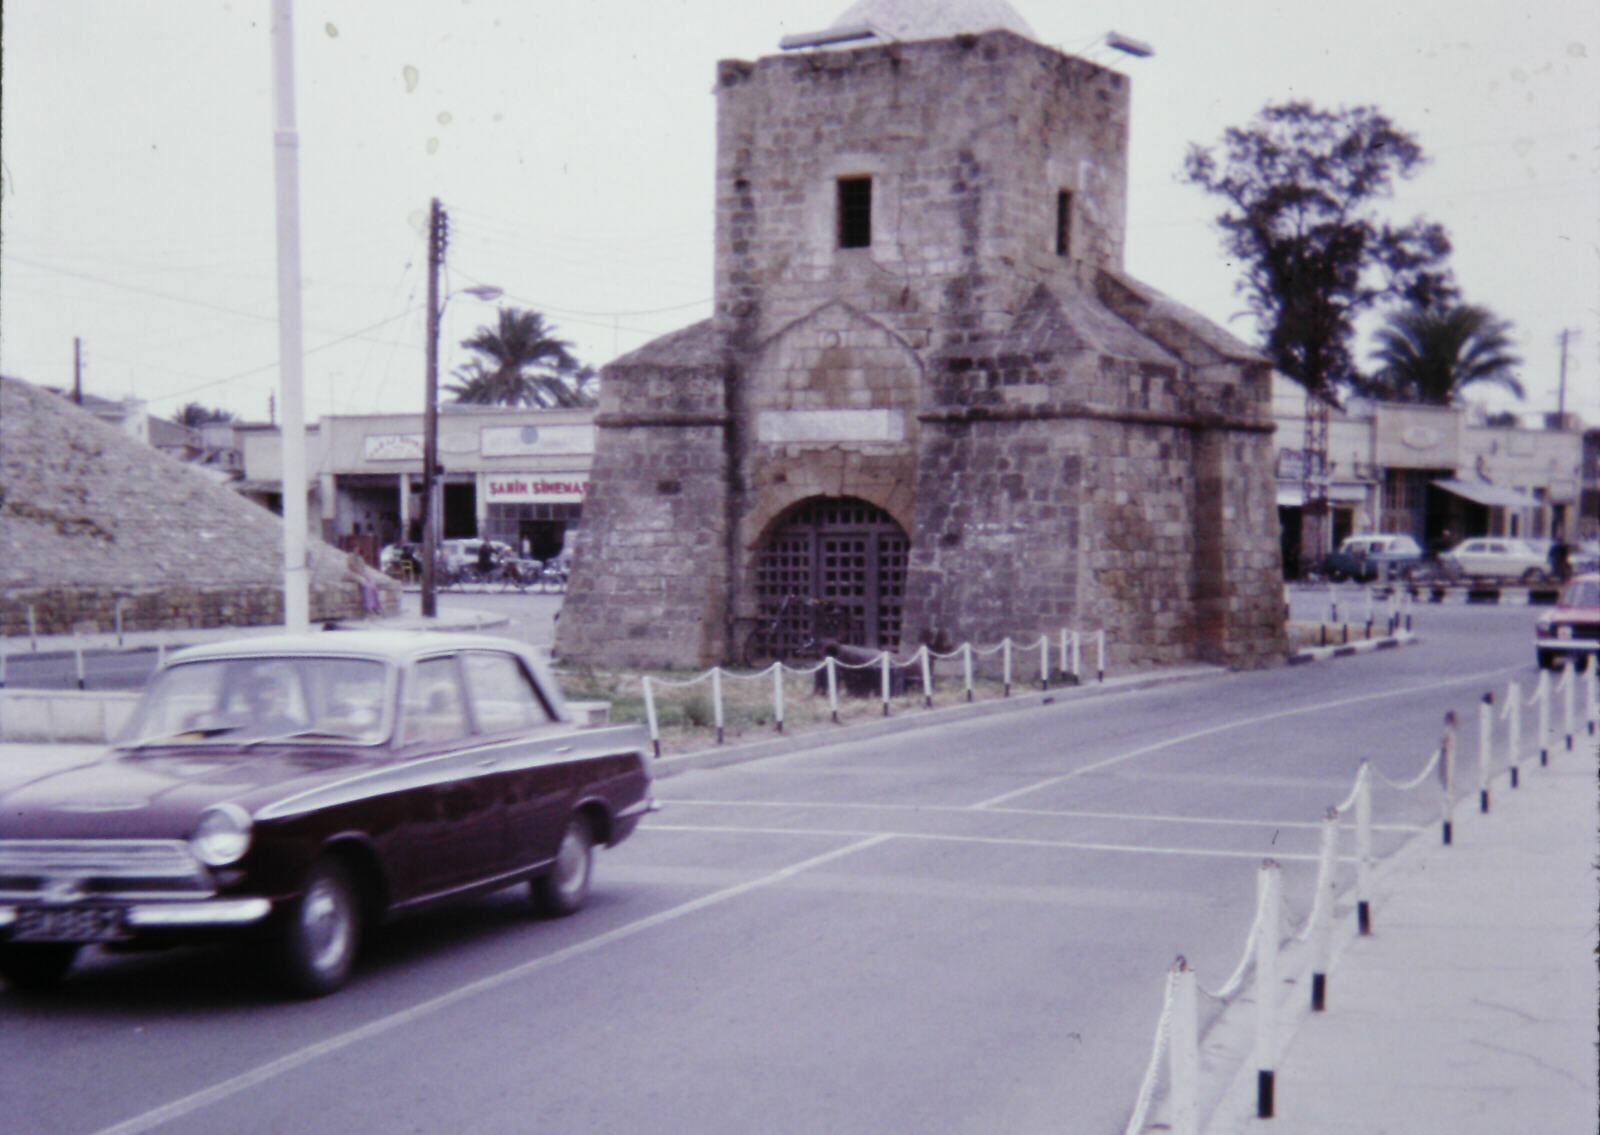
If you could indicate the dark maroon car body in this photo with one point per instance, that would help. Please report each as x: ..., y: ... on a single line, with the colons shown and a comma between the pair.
x: 341, y: 831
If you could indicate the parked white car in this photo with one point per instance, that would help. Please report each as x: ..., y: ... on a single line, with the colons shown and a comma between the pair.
x: 1496, y: 557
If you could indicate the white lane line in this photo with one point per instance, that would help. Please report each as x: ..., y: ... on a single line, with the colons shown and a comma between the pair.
x: 1003, y: 841
x: 289, y: 1062
x: 1047, y: 813
x: 1213, y: 730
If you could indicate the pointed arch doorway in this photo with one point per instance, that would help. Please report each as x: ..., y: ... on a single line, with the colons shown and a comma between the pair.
x: 830, y: 568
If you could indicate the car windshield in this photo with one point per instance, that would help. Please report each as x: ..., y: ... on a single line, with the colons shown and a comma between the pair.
x: 300, y: 700
x: 1581, y: 593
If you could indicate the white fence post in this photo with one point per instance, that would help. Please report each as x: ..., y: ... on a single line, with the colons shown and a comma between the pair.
x: 833, y: 688
x: 927, y: 678
x: 77, y: 654
x: 1513, y: 711
x: 1100, y: 654
x: 1542, y: 696
x: 1569, y: 680
x: 1485, y: 742
x: 650, y: 716
x: 885, y: 658
x: 777, y: 694
x: 966, y: 667
x: 1183, y: 1052
x: 1005, y: 654
x: 1077, y: 658
x: 1322, y: 911
x: 1592, y: 698
x: 1044, y: 662
x: 716, y: 701
x: 1447, y: 770
x: 1066, y: 659
x: 1270, y: 882
x: 1364, y: 848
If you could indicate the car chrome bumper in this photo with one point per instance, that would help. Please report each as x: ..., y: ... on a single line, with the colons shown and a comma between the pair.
x: 155, y: 916
x: 1577, y: 645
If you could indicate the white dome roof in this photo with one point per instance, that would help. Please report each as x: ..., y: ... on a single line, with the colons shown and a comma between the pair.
x: 934, y: 19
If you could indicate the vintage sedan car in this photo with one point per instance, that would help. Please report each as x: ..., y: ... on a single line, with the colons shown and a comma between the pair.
x: 303, y: 789
x: 1370, y: 557
x: 1570, y: 631
x: 1495, y: 557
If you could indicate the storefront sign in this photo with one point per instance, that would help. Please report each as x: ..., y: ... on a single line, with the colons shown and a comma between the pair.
x: 524, y: 441
x: 392, y: 447
x: 535, y: 488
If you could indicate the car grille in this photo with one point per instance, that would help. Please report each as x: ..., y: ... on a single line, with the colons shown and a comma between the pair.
x: 75, y: 870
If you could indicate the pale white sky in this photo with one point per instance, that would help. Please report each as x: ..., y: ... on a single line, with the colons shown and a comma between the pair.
x: 573, y: 144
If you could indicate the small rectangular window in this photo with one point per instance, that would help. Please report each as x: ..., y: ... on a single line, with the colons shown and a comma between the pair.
x: 1063, y: 223
x: 855, y: 212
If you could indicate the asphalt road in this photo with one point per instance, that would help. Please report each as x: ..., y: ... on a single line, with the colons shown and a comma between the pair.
x: 955, y: 930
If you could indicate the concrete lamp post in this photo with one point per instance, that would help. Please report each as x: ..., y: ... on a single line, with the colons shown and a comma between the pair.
x: 430, y: 438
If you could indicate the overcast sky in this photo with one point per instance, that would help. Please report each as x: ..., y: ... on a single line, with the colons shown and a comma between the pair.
x: 572, y: 144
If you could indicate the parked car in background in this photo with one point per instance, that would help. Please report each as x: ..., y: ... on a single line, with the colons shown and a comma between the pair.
x: 1495, y: 557
x: 1372, y: 557
x: 299, y: 790
x: 1571, y: 630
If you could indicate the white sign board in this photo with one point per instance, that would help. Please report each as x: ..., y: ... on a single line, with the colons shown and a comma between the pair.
x: 525, y: 441
x: 392, y: 447
x: 535, y: 488
x: 780, y: 426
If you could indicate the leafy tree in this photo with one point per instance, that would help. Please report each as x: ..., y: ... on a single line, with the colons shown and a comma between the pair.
x: 1429, y: 354
x: 521, y: 362
x: 194, y: 414
x: 1301, y: 184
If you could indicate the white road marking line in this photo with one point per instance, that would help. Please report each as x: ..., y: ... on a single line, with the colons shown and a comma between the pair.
x: 1006, y: 841
x: 1224, y: 727
x: 289, y: 1062
x: 1064, y: 813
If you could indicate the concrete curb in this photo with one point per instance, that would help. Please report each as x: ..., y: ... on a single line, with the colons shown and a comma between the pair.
x: 1345, y: 650
x: 786, y: 743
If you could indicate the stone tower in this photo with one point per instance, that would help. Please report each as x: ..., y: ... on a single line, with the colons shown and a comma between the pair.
x: 929, y: 396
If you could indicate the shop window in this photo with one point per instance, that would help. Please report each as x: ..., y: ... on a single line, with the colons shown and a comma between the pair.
x: 855, y: 212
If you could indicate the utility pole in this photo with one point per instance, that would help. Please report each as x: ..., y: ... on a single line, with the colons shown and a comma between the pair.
x: 1561, y: 395
x: 438, y: 236
x: 1315, y: 536
x: 77, y: 369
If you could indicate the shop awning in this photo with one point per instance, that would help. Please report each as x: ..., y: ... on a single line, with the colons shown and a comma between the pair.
x: 1490, y: 496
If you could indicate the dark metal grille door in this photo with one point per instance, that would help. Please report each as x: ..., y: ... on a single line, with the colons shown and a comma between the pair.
x: 833, y: 569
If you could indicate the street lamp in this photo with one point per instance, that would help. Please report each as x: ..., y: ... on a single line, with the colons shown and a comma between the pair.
x: 430, y: 427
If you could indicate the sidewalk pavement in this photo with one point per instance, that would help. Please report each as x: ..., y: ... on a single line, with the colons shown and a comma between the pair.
x: 1472, y: 1006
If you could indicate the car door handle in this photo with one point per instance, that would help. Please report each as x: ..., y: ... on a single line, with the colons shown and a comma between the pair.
x: 488, y: 762
x: 563, y: 749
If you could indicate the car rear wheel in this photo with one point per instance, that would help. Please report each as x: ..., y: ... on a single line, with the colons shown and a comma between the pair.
x: 1547, y: 659
x: 36, y: 965
x: 562, y: 890
x: 320, y: 932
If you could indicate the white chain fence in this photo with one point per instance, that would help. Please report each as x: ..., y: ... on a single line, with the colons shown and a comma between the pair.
x: 1177, y: 1030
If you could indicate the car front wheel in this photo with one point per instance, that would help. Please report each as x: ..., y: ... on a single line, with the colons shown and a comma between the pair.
x: 563, y: 889
x: 1533, y: 575
x: 320, y: 932
x: 36, y: 965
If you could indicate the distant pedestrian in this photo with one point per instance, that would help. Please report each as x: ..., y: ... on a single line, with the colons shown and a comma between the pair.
x: 1560, y: 558
x: 356, y: 572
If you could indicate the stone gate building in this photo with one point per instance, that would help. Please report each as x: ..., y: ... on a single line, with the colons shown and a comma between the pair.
x: 929, y: 394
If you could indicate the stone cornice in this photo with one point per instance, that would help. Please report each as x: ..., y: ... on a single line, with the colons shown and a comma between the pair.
x: 1075, y: 411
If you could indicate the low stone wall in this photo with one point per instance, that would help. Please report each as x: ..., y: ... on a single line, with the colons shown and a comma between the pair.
x: 64, y: 715
x: 90, y: 610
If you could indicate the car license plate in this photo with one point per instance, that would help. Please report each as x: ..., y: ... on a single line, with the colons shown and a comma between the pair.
x: 67, y: 924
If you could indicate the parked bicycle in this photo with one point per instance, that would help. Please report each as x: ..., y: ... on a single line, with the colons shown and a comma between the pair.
x: 800, y: 627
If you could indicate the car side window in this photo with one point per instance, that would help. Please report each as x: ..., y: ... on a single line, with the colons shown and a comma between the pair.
x: 503, y: 697
x: 433, y: 709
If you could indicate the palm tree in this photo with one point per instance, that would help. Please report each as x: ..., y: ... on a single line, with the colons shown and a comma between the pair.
x: 521, y: 363
x: 1430, y: 354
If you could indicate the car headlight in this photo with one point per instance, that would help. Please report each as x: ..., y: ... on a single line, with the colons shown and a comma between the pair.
x: 222, y: 836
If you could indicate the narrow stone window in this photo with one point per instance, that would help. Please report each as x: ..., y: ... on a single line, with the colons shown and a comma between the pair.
x: 1064, y: 223
x: 855, y: 212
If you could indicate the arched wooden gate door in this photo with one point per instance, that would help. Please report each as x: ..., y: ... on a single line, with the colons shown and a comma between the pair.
x: 833, y: 568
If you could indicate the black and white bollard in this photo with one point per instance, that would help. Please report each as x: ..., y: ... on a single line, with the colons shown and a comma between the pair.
x: 1270, y: 882
x: 1485, y: 741
x: 1447, y: 769
x: 716, y: 698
